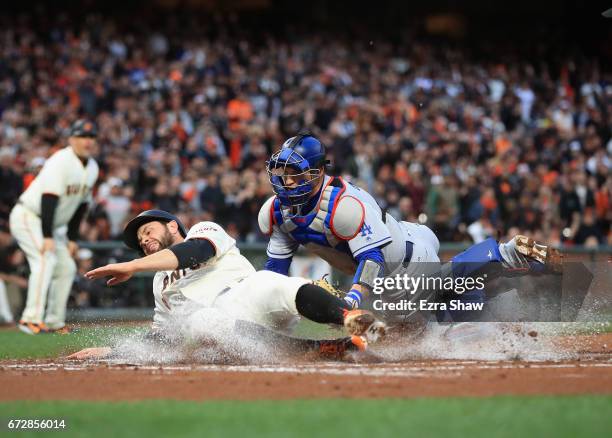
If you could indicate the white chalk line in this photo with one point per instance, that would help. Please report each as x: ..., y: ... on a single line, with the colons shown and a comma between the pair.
x: 415, y: 369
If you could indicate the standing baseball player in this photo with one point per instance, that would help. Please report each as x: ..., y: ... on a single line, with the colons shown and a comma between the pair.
x: 45, y: 222
x: 202, y: 268
x: 344, y: 225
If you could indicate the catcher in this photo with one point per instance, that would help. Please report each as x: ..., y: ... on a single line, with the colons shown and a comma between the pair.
x: 202, y: 268
x: 344, y: 225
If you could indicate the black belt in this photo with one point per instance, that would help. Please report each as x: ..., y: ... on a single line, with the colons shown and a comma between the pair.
x: 408, y: 256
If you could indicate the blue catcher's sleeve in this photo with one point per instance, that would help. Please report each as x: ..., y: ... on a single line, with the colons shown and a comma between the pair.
x: 280, y: 266
x: 366, y: 274
x: 374, y: 254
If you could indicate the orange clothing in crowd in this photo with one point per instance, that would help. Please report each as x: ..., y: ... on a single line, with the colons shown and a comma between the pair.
x: 239, y: 111
x: 502, y: 144
x: 488, y: 202
x: 602, y: 203
x: 27, y: 179
x: 235, y: 152
x: 550, y: 178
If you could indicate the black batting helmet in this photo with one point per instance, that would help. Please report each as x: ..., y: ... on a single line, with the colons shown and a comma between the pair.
x: 130, y: 237
x: 83, y: 128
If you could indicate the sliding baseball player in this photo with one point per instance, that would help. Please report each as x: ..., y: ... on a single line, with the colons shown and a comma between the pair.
x: 202, y: 268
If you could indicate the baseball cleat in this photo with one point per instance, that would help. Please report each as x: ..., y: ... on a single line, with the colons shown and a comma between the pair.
x: 337, y: 348
x: 31, y: 328
x: 550, y: 257
x: 363, y: 323
x: 358, y: 343
x: 65, y: 330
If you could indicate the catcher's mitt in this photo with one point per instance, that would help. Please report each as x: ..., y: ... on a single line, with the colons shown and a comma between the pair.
x: 323, y: 283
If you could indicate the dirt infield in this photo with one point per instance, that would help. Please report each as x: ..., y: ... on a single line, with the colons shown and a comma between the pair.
x: 589, y: 373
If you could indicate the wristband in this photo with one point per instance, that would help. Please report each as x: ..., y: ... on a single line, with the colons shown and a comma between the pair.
x: 355, y: 295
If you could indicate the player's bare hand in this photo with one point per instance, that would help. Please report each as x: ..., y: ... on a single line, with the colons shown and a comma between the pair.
x: 48, y: 245
x: 90, y: 353
x: 119, y: 272
x: 73, y: 247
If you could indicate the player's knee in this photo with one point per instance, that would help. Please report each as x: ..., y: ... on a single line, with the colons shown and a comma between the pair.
x: 276, y: 289
x: 49, y: 259
x: 67, y: 269
x: 264, y: 284
x: 270, y: 280
x: 71, y: 267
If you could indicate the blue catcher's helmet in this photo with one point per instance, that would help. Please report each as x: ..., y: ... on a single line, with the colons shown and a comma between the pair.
x: 301, y: 157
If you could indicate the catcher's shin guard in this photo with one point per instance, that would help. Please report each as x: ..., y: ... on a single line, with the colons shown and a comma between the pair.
x: 476, y: 258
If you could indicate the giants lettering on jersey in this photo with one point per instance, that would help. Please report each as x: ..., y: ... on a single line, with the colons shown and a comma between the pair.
x: 77, y: 189
x: 175, y: 275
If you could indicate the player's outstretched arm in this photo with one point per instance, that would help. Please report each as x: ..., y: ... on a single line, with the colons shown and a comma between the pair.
x: 182, y: 255
x: 164, y: 260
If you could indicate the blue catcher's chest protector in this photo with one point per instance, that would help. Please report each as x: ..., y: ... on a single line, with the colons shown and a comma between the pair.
x: 314, y: 227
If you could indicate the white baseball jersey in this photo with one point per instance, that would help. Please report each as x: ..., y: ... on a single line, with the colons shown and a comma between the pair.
x: 63, y: 175
x: 205, y: 282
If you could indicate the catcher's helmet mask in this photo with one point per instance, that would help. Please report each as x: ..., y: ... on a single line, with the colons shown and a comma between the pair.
x: 305, y: 154
x: 130, y: 233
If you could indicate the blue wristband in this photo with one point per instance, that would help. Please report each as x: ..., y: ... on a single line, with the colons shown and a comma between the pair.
x: 355, y: 295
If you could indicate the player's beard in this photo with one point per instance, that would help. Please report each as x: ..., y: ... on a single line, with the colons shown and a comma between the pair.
x: 164, y: 241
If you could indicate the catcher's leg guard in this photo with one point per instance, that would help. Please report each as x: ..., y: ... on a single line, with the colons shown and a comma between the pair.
x: 461, y: 315
x: 475, y: 258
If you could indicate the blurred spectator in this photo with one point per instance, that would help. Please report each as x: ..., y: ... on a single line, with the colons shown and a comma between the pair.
x: 587, y: 230
x: 13, y: 280
x: 116, y: 205
x: 85, y: 292
x: 11, y: 183
x: 472, y: 142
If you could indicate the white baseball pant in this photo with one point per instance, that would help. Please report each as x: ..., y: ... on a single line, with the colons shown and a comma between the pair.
x: 51, y: 273
x: 265, y: 298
